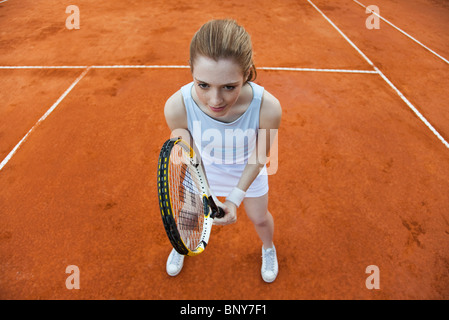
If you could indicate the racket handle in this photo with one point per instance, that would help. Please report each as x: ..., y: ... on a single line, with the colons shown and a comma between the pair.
x: 217, y: 212
x: 220, y: 213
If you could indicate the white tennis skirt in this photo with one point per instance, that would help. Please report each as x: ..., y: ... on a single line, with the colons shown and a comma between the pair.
x: 223, y: 178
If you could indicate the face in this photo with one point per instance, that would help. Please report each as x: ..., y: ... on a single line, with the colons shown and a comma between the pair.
x: 217, y: 84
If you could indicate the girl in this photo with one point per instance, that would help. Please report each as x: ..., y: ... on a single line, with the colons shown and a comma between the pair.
x: 222, y: 105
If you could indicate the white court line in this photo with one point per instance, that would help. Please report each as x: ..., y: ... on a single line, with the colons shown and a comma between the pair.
x: 141, y: 67
x: 405, y: 33
x: 409, y: 104
x: 182, y: 67
x: 49, y: 111
x: 95, y: 67
x: 316, y: 70
x: 3, y: 1
x: 42, y: 67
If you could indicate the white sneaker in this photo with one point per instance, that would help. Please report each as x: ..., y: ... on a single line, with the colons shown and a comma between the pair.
x: 175, y: 262
x: 269, y: 264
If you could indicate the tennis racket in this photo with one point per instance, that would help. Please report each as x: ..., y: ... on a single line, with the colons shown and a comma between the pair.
x: 187, y: 205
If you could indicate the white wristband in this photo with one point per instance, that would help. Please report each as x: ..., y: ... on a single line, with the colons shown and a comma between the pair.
x: 236, y: 196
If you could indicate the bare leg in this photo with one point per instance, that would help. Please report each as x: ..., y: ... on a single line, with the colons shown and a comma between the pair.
x: 257, y: 211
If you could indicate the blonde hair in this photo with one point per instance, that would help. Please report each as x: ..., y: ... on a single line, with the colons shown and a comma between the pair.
x: 224, y: 39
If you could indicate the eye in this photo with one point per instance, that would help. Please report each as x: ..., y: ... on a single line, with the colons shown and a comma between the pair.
x: 229, y: 88
x: 203, y: 85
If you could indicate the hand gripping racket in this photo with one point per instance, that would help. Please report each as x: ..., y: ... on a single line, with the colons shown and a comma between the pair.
x: 187, y: 205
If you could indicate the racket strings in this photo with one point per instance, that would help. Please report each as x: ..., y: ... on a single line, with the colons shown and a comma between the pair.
x: 188, y: 220
x: 187, y: 187
x: 186, y: 198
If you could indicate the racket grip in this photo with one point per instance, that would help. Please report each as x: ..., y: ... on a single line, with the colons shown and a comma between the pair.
x: 217, y: 212
x: 220, y: 213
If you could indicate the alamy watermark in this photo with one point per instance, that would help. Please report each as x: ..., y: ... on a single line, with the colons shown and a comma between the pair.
x: 73, y: 20
x: 72, y: 281
x: 373, y: 21
x: 237, y: 146
x: 373, y: 281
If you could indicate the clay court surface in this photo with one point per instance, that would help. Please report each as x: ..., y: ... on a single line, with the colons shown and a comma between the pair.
x: 362, y: 179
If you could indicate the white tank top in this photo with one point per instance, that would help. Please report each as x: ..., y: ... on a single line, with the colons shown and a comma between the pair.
x: 220, y: 142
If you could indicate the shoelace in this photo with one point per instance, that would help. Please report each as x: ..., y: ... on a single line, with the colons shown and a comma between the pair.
x: 176, y: 259
x: 269, y: 259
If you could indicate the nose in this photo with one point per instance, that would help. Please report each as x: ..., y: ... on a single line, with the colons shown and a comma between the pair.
x: 215, y: 98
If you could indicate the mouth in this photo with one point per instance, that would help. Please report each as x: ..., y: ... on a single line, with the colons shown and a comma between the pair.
x: 217, y: 109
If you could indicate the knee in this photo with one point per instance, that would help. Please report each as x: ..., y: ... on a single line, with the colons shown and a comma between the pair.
x: 260, y: 219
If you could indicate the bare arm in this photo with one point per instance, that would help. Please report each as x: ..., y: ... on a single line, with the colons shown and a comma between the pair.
x: 176, y: 117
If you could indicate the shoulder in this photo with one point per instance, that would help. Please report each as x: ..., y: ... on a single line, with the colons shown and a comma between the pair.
x: 270, y: 111
x: 175, y: 112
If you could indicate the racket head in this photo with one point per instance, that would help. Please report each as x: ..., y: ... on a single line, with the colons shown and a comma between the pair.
x: 183, y: 198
